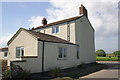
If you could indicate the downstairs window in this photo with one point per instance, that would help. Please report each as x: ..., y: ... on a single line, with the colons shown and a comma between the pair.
x: 62, y: 53
x: 19, y: 52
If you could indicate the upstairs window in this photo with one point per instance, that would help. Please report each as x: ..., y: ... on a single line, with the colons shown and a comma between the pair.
x: 19, y: 52
x: 62, y: 53
x: 55, y: 29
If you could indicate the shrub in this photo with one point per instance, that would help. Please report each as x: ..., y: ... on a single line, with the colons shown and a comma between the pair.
x: 23, y: 75
x: 55, y: 72
x: 6, y: 75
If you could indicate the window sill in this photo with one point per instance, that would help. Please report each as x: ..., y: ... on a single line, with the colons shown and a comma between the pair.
x: 29, y: 56
x: 61, y: 58
x: 19, y: 61
x: 56, y: 33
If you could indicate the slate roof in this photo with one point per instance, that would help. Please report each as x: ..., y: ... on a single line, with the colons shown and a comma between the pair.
x: 58, y: 22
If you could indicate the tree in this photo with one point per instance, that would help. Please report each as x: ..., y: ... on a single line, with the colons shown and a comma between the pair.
x: 101, y: 53
x: 116, y: 53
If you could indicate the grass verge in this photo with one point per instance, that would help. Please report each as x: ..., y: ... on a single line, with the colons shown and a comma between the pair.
x: 107, y: 59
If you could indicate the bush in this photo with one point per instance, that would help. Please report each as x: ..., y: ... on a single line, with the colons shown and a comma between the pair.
x: 22, y: 75
x: 6, y: 75
x: 55, y: 72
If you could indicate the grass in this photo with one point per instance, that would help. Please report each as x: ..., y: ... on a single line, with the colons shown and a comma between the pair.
x: 107, y: 59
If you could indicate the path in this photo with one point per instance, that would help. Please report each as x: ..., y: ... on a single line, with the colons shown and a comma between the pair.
x: 112, y: 72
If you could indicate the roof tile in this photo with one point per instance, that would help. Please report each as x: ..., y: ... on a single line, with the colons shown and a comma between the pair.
x: 47, y: 37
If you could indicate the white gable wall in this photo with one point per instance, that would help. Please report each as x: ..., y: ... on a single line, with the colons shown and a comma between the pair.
x: 85, y: 39
x: 23, y: 39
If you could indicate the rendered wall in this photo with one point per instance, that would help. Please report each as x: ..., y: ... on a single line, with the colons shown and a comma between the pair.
x: 23, y: 39
x: 51, y: 60
x: 62, y: 31
x: 85, y: 39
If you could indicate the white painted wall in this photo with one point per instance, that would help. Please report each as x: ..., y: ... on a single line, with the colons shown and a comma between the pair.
x: 51, y: 58
x: 85, y: 39
x: 26, y: 40
x: 62, y: 31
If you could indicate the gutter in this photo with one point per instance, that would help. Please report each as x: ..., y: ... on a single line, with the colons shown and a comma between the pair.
x: 57, y: 42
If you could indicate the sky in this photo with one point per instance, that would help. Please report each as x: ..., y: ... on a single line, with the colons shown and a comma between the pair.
x: 102, y: 14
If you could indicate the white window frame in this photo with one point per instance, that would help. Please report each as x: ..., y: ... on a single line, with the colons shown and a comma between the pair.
x: 62, y: 53
x: 55, y: 30
x: 20, y: 54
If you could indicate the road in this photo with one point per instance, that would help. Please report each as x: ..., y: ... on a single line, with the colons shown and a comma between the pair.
x: 111, y: 72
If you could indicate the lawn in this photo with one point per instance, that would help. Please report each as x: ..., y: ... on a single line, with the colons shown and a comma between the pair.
x: 107, y: 59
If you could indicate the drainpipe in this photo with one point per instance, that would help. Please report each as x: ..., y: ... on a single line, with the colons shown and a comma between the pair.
x: 11, y: 69
x: 43, y: 57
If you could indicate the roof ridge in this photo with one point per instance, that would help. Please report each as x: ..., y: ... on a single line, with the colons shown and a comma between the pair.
x: 58, y: 22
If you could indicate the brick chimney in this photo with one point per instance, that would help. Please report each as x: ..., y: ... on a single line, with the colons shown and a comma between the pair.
x: 83, y: 10
x: 44, y: 21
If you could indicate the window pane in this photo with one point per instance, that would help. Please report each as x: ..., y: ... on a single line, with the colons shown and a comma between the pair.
x: 64, y: 52
x: 53, y: 30
x: 5, y: 54
x: 57, y: 29
x: 22, y: 52
x: 60, y: 52
x: 18, y: 52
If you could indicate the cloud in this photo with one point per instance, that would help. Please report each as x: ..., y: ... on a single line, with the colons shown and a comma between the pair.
x: 102, y: 14
x: 4, y: 39
x: 35, y: 21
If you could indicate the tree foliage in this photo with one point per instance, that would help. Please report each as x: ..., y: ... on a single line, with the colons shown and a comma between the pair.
x: 100, y: 53
x: 116, y: 53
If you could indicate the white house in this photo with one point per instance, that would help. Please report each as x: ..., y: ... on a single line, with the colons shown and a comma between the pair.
x: 3, y: 53
x: 65, y: 43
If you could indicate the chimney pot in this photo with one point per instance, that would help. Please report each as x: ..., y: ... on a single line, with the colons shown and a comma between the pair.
x: 44, y: 21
